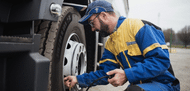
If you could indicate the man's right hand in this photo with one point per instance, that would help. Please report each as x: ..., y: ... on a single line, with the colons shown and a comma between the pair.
x: 119, y: 78
x: 70, y: 81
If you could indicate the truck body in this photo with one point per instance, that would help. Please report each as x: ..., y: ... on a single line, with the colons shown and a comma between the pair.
x: 41, y: 42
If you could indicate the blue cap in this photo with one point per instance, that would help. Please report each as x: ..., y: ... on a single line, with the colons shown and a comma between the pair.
x: 97, y: 6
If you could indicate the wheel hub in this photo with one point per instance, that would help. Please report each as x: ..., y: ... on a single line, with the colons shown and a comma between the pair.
x: 75, y: 58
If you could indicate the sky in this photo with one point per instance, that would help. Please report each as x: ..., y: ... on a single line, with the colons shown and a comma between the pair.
x: 167, y: 14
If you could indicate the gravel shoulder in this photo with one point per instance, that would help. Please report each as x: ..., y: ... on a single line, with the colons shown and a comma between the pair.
x: 181, y: 66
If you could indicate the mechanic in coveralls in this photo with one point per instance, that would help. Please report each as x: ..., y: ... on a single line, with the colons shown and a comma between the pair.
x: 135, y: 45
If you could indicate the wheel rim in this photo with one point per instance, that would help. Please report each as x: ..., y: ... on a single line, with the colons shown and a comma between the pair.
x: 75, y: 58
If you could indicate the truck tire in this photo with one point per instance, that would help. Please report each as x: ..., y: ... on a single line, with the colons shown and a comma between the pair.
x: 63, y: 42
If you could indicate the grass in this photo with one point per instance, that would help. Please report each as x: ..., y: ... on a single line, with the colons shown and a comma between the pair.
x: 180, y: 46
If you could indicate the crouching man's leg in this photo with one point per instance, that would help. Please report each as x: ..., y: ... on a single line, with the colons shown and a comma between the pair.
x: 151, y: 86
x: 134, y: 88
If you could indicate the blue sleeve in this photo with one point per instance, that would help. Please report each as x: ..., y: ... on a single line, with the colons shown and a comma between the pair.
x: 107, y: 63
x: 156, y: 56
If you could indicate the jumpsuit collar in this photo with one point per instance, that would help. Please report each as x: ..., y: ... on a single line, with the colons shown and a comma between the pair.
x: 119, y: 22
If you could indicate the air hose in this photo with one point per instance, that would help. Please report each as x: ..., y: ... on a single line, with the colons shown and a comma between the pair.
x: 110, y: 76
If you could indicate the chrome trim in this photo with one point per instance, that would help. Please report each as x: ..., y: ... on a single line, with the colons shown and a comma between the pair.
x: 55, y: 9
x: 96, y: 52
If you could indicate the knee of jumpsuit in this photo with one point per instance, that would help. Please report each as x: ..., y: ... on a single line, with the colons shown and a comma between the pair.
x: 152, y: 86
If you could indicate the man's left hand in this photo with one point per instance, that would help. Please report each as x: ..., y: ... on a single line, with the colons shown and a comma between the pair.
x: 119, y: 79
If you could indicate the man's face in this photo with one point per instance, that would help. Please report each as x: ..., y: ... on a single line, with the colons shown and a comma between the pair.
x: 97, y: 24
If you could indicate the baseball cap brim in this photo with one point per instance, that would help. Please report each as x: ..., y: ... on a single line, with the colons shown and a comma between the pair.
x: 84, y: 19
x: 96, y: 7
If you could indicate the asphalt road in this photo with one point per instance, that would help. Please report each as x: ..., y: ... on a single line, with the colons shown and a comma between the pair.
x: 180, y: 60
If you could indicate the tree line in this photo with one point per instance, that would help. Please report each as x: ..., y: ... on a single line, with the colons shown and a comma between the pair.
x: 182, y: 37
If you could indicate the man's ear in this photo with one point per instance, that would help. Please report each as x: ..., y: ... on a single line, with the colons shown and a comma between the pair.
x: 104, y: 16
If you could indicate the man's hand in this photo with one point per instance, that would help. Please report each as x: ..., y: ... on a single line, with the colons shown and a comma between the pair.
x: 70, y: 81
x: 119, y: 78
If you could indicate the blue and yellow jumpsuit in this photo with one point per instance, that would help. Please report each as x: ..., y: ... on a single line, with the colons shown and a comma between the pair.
x: 139, y: 48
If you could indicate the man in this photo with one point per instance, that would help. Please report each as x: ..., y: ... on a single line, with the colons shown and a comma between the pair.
x: 135, y: 45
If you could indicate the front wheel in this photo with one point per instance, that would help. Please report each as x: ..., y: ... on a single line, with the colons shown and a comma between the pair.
x: 63, y: 42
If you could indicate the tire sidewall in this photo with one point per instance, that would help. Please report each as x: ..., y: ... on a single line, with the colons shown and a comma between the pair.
x: 57, y: 65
